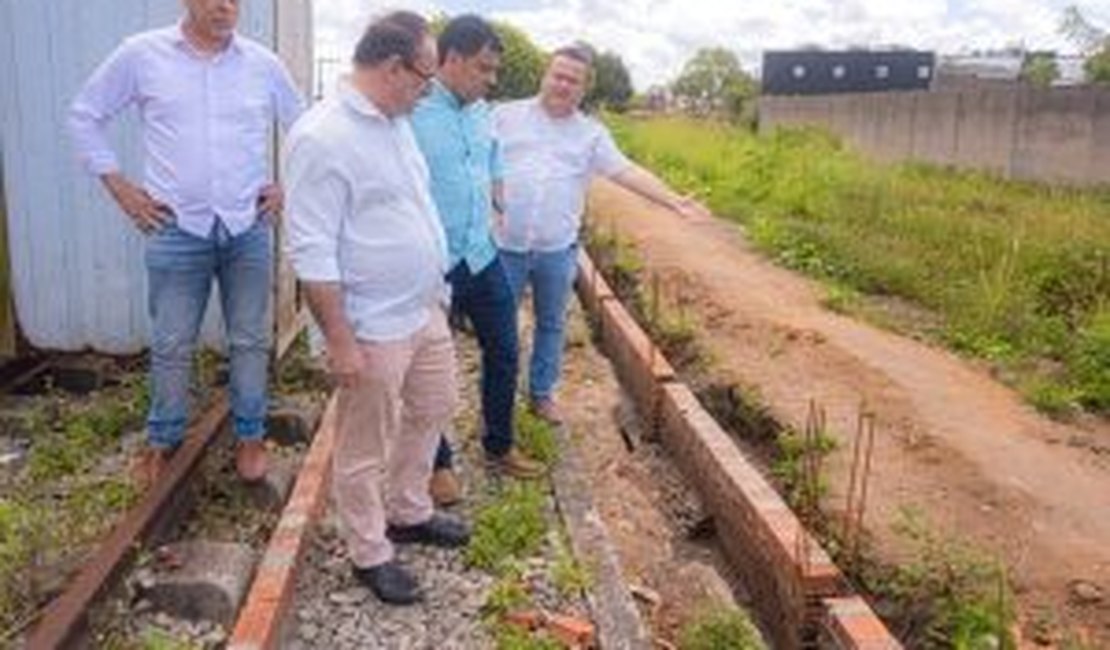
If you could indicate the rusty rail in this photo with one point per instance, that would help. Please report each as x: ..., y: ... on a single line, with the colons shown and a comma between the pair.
x: 65, y: 619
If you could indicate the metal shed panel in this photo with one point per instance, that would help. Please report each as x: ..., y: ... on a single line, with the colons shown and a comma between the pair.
x: 77, y: 270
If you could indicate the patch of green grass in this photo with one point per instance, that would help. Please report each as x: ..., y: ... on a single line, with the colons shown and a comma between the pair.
x: 1015, y: 271
x: 841, y: 298
x: 622, y: 265
x: 1051, y: 397
x: 569, y: 576
x: 58, y: 502
x: 154, y: 639
x: 947, y: 593
x: 1091, y: 362
x: 536, y: 437
x: 507, y: 594
x: 507, y: 637
x: 720, y: 628
x: 666, y: 322
x: 510, y: 526
x: 83, y: 436
x: 789, y: 467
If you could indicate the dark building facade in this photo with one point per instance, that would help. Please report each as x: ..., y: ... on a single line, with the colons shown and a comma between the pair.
x: 816, y: 72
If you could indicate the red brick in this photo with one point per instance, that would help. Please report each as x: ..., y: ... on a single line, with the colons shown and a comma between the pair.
x: 575, y: 632
x: 260, y: 620
x: 850, y: 624
x: 592, y: 288
x: 528, y: 619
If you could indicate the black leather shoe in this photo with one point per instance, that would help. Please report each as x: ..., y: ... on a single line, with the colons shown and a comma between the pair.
x: 390, y: 582
x: 441, y: 530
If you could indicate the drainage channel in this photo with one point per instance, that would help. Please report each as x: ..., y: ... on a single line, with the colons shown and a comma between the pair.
x: 802, y: 598
x: 175, y: 566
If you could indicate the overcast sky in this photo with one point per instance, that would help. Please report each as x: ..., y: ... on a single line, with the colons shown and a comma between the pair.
x: 655, y: 37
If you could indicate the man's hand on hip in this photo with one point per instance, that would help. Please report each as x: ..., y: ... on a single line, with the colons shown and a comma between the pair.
x: 147, y: 214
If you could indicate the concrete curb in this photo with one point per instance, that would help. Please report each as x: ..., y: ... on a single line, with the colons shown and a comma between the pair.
x: 799, y: 592
x: 259, y: 626
x: 619, y: 626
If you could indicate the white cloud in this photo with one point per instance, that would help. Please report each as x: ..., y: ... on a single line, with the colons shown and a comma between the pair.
x: 655, y: 37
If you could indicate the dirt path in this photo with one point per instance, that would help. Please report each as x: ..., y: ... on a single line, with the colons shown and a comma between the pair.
x: 951, y: 441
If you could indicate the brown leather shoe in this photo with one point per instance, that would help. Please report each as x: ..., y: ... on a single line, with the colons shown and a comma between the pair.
x: 250, y: 460
x: 445, y: 487
x: 546, y: 410
x: 516, y: 464
x: 148, y: 465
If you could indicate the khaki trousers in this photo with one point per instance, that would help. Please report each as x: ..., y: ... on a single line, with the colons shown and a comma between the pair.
x: 389, y: 424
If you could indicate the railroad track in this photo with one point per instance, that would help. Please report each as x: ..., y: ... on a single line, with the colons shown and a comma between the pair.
x: 167, y: 514
x: 64, y: 622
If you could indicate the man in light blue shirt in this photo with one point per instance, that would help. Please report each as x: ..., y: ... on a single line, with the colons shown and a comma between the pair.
x: 207, y: 98
x: 452, y: 126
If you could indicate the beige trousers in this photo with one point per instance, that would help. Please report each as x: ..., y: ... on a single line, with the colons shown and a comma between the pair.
x: 389, y: 425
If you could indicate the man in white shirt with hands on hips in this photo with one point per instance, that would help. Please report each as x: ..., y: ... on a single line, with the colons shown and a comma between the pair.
x: 367, y: 244
x: 207, y: 98
x: 551, y: 152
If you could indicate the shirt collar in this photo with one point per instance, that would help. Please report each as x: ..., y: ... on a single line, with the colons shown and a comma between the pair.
x: 358, y: 102
x: 179, y: 39
x: 441, y: 93
x: 537, y: 107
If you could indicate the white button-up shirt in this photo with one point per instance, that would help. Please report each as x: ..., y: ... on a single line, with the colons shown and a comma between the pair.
x: 206, y: 122
x: 359, y: 213
x: 548, y: 166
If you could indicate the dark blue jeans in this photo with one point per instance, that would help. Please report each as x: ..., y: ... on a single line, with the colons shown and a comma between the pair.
x: 486, y: 299
x: 180, y: 269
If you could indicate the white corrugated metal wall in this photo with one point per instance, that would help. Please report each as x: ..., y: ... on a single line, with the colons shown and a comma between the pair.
x: 77, y: 271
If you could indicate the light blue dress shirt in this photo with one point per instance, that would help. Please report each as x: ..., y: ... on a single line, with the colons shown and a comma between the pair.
x: 464, y: 161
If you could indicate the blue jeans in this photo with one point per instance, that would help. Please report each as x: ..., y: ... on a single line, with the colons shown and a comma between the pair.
x: 180, y: 267
x: 550, y: 276
x: 486, y: 300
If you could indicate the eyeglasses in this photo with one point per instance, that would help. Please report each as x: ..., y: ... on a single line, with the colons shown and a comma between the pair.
x: 425, y: 76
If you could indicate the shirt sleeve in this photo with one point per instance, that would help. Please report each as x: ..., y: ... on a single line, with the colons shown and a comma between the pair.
x: 496, y: 159
x: 110, y: 89
x: 607, y: 159
x: 289, y: 103
x: 316, y: 198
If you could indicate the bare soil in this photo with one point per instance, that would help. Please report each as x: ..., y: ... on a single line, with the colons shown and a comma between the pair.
x: 651, y: 515
x: 952, y: 441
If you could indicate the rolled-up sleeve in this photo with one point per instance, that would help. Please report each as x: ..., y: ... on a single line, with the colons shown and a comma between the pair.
x: 108, y: 91
x: 607, y: 158
x: 316, y: 200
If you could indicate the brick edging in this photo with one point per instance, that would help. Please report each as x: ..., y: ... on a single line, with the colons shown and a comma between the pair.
x: 796, y: 585
x: 259, y: 626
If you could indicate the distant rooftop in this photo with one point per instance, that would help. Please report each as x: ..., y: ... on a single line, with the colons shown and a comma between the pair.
x: 1004, y: 67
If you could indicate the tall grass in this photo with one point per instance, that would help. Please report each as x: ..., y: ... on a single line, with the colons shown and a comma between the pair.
x: 1018, y: 273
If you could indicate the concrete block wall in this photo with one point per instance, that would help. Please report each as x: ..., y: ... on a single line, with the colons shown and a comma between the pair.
x: 1055, y: 135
